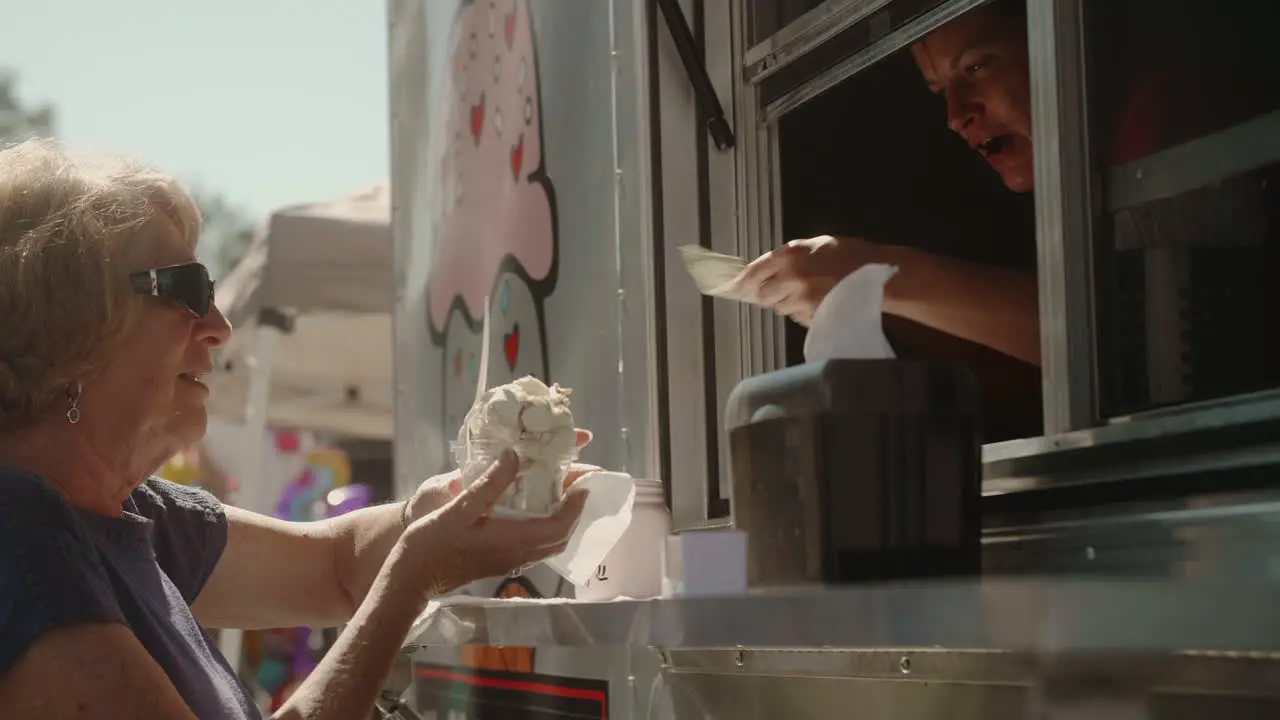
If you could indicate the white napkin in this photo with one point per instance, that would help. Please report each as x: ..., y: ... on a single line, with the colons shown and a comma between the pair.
x: 847, y: 324
x: 606, y: 516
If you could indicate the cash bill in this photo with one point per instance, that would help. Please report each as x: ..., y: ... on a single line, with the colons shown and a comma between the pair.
x: 716, y: 274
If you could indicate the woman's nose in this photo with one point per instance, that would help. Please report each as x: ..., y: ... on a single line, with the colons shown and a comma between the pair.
x: 214, y: 328
x: 962, y: 107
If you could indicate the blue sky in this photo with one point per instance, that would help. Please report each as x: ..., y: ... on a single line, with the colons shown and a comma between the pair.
x: 269, y: 102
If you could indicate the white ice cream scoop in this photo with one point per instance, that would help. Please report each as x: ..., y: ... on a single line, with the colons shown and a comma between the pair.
x: 533, y: 420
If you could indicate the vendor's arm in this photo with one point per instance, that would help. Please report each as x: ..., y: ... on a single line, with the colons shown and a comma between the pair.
x: 275, y: 573
x: 991, y: 306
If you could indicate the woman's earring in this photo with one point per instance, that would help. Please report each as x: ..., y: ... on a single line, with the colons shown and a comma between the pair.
x: 73, y: 397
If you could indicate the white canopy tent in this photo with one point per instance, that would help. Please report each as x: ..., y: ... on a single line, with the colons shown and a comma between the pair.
x: 311, y: 303
x: 319, y: 278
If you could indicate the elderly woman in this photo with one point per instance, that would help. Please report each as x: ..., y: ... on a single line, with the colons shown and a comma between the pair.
x: 108, y: 576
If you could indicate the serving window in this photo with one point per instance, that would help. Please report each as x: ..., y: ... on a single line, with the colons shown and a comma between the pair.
x: 876, y: 154
x: 874, y: 158
x: 1150, y: 226
x: 1180, y: 108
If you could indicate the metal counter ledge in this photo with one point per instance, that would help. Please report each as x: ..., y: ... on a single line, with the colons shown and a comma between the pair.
x: 1047, y: 615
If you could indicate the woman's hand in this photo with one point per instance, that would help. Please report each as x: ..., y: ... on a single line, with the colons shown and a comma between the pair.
x: 794, y: 279
x: 462, y: 542
x: 439, y: 490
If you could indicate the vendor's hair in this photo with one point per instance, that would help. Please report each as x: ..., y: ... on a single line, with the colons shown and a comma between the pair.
x: 65, y: 228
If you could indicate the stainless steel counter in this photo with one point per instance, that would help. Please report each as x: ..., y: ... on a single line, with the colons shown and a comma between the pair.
x: 1054, y: 616
x: 1061, y: 627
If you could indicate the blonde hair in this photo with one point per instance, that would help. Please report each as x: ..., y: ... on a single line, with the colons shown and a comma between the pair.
x: 65, y: 228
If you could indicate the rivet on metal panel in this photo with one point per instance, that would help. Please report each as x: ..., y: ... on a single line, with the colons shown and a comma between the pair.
x: 740, y: 658
x: 1137, y: 174
x: 904, y: 664
x: 1090, y: 553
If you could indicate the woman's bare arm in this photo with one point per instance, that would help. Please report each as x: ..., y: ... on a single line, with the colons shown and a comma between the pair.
x: 89, y: 672
x: 274, y: 573
x: 992, y: 306
x: 457, y: 545
x: 349, y: 678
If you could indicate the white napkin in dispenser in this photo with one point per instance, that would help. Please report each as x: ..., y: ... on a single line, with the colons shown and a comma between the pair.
x: 847, y: 324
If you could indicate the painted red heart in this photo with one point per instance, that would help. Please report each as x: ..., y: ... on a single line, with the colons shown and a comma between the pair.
x: 511, y: 346
x: 477, y: 119
x: 511, y: 29
x: 517, y: 159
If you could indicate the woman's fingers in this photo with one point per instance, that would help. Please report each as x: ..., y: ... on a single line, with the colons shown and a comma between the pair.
x: 804, y: 318
x: 766, y: 292
x: 759, y: 273
x: 477, y: 498
x: 566, y: 516
x: 760, y: 269
x: 482, y: 494
x: 793, y: 304
x: 541, y: 536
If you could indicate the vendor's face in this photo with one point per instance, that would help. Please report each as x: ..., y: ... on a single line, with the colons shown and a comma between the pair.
x: 978, y: 63
x: 149, y: 389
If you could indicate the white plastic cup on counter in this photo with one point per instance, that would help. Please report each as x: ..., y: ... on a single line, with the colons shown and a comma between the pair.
x: 633, y: 568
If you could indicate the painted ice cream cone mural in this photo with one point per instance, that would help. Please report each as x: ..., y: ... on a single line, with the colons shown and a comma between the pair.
x: 496, y: 232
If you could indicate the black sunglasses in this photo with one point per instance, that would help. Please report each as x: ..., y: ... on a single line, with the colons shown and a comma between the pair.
x: 187, y: 284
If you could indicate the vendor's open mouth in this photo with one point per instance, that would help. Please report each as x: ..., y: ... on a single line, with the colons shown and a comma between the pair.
x: 191, y: 378
x: 994, y: 145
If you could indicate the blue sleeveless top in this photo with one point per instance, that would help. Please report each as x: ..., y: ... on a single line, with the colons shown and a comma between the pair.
x: 60, y: 566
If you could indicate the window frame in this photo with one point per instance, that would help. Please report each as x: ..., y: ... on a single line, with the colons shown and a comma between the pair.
x: 1065, y: 175
x: 1069, y: 207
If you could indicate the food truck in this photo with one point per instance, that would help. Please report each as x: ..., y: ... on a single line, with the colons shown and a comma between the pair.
x: 549, y: 157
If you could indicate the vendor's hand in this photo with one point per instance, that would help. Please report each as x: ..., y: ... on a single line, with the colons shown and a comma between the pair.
x: 461, y: 542
x: 439, y: 490
x: 794, y: 279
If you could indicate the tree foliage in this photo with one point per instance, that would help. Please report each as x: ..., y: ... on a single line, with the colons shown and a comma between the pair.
x: 18, y: 121
x: 228, y: 230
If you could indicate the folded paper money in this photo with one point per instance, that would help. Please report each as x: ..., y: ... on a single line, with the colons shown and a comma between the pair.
x: 717, y: 274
